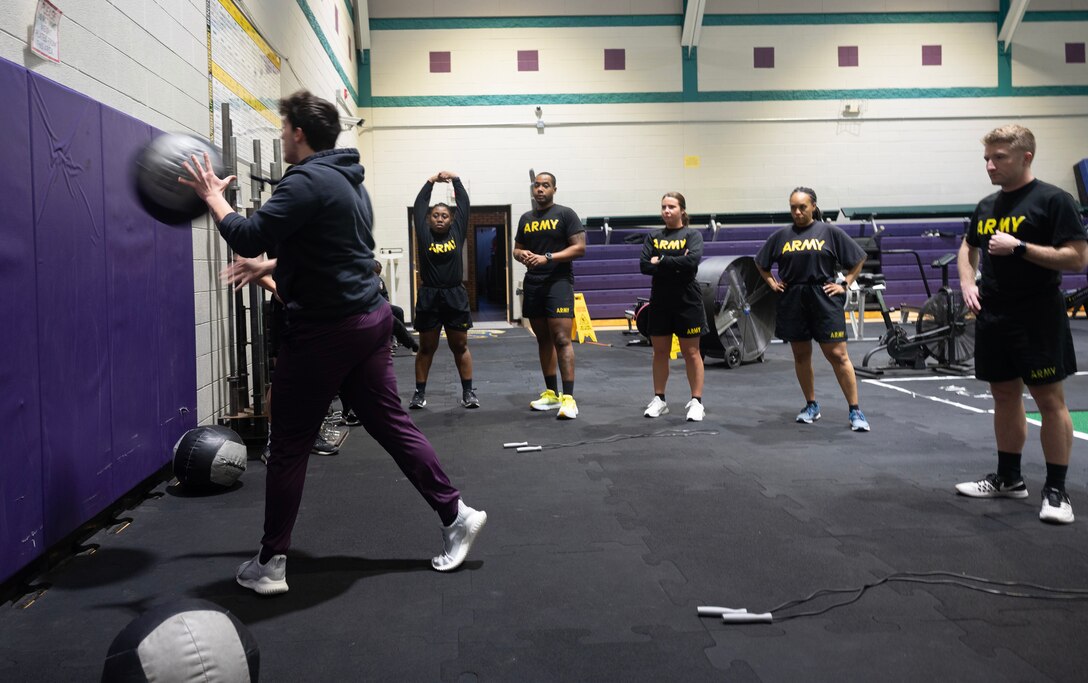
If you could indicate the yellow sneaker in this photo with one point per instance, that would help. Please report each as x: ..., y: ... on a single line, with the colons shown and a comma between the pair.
x: 569, y: 408
x: 548, y: 400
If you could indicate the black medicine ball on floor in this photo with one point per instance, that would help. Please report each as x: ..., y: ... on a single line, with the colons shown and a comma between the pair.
x: 156, y: 172
x: 209, y: 457
x: 184, y: 640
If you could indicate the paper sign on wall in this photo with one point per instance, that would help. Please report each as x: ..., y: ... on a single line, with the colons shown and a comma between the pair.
x: 46, y: 39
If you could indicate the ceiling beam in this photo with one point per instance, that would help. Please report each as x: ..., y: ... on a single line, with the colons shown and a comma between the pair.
x: 1017, y: 8
x: 693, y: 23
x: 362, y: 25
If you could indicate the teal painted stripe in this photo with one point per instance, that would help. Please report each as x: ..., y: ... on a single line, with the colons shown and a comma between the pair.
x: 525, y: 22
x: 689, y: 62
x: 1056, y: 16
x: 351, y: 9
x: 316, y: 26
x: 850, y: 18
x: 548, y: 98
x: 890, y: 94
x: 726, y: 96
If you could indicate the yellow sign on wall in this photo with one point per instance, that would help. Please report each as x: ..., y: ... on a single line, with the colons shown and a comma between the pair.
x: 691, y: 162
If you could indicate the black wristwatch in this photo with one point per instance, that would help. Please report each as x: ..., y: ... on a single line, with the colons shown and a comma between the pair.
x: 548, y: 255
x: 1020, y: 249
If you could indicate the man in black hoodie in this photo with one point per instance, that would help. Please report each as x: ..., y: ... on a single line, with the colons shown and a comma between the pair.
x: 318, y: 222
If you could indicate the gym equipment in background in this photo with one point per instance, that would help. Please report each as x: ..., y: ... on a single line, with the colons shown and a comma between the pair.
x: 209, y: 457
x: 740, y: 309
x: 944, y: 328
x: 184, y: 640
x: 156, y: 170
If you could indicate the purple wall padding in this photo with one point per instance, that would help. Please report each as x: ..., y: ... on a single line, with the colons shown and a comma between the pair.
x: 176, y: 334
x: 73, y: 339
x: 98, y: 378
x: 130, y: 314
x: 21, y: 520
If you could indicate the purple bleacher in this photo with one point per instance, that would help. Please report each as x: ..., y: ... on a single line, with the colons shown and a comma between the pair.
x: 608, y: 275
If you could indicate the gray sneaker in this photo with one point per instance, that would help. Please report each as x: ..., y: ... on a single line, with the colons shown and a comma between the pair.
x: 265, y: 579
x: 809, y: 414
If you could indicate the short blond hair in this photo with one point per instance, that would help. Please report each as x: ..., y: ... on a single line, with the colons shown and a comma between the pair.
x: 1014, y: 135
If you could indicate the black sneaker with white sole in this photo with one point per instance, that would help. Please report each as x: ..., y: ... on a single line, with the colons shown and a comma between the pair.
x: 323, y: 447
x: 418, y: 401
x: 1056, y: 506
x: 469, y: 400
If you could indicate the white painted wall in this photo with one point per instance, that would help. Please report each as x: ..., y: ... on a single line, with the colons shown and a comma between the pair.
x: 1039, y: 53
x: 146, y: 58
x: 485, y: 61
x: 889, y: 55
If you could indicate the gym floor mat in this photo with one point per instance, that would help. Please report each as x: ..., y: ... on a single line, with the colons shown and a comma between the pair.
x: 597, y: 553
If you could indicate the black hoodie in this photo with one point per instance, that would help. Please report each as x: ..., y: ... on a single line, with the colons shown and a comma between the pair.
x: 318, y: 223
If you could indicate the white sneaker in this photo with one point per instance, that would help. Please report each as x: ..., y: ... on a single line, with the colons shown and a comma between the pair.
x: 993, y: 486
x: 548, y: 400
x: 458, y: 537
x: 265, y: 579
x: 696, y: 411
x: 568, y: 408
x: 656, y: 408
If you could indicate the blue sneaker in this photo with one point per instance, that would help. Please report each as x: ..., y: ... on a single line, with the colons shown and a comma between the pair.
x: 857, y: 421
x: 810, y: 414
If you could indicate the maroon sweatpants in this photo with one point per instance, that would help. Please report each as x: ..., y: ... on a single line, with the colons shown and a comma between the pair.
x: 315, y: 361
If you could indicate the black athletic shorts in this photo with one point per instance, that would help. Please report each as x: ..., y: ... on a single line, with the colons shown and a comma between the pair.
x: 684, y: 318
x: 442, y: 307
x: 806, y: 312
x: 1028, y: 340
x: 549, y: 299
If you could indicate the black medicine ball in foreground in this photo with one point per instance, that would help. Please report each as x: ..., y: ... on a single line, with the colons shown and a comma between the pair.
x: 156, y: 172
x: 185, y: 640
x: 210, y: 457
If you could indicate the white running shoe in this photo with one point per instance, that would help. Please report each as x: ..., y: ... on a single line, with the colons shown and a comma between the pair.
x: 993, y: 486
x: 656, y: 408
x: 696, y: 411
x: 457, y: 538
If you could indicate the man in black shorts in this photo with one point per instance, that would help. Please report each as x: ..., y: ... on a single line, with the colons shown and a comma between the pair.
x: 443, y: 299
x: 1025, y: 236
x: 548, y: 238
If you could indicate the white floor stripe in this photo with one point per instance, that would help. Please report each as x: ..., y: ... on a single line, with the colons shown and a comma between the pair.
x: 880, y: 383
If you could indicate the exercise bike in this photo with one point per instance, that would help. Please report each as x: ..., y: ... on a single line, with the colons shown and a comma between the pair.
x: 944, y: 328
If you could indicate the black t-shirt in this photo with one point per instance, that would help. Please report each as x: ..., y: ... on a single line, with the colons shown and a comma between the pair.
x: 1039, y: 213
x: 680, y: 250
x: 441, y: 261
x: 809, y: 255
x: 547, y: 231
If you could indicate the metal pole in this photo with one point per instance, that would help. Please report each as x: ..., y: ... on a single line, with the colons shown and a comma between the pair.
x: 256, y: 298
